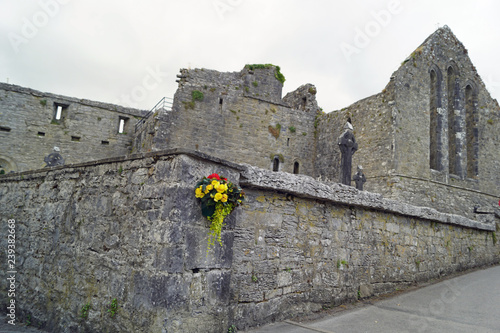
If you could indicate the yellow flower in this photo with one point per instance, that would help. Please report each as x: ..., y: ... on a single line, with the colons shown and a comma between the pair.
x: 224, y: 198
x: 199, y: 193
x: 215, y: 184
x: 217, y: 197
x: 208, y: 188
x: 221, y: 188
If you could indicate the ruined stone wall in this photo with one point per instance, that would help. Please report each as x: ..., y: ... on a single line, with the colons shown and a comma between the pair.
x: 131, y: 229
x: 373, y: 130
x: 240, y: 117
x: 87, y: 130
x: 393, y: 131
x: 443, y: 54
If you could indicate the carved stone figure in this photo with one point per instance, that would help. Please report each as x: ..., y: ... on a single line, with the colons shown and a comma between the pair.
x: 348, y: 146
x: 359, y: 178
x: 54, y: 158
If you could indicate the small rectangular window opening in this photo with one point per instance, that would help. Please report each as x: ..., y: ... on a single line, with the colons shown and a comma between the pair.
x: 105, y: 142
x: 58, y: 112
x: 122, y: 125
x: 41, y: 134
x: 75, y: 138
x: 4, y: 129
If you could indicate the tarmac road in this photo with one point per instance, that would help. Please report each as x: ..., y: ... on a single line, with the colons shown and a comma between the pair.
x: 466, y: 303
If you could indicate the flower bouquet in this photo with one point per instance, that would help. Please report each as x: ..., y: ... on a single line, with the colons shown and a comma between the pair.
x: 218, y: 197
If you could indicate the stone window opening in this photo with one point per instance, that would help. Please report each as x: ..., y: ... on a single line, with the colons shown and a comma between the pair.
x: 4, y: 129
x: 288, y: 142
x: 435, y: 125
x: 276, y: 163
x: 453, y: 122
x: 122, y: 124
x: 304, y: 103
x: 41, y: 134
x: 103, y: 142
x: 296, y: 167
x: 471, y: 131
x: 75, y: 138
x: 59, y: 112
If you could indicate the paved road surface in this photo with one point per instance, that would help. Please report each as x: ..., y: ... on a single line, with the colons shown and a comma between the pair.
x: 467, y: 303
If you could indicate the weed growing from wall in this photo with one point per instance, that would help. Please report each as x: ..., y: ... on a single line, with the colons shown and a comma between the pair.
x: 113, y: 308
x: 84, y: 311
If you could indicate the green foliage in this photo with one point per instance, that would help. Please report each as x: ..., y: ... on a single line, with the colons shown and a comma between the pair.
x: 120, y: 170
x: 43, y: 102
x: 28, y: 320
x: 197, y: 95
x: 342, y: 263
x: 255, y: 83
x: 490, y: 121
x: 217, y: 219
x: 218, y: 197
x: 113, y: 308
x: 277, y: 74
x: 84, y: 311
x: 312, y: 90
x: 494, y: 234
x: 188, y: 105
x: 232, y: 329
x: 292, y: 129
x: 254, y: 278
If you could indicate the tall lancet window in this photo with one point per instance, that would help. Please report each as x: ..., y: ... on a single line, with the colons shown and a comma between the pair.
x: 435, y: 154
x: 471, y: 132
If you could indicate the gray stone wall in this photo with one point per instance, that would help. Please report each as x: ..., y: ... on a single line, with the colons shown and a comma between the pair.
x: 87, y: 130
x: 393, y: 131
x: 241, y: 117
x: 131, y: 229
x: 443, y: 53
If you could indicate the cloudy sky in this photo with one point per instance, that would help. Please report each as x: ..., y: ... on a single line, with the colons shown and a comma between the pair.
x: 129, y: 52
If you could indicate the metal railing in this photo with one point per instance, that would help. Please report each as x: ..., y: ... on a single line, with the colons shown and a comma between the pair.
x: 165, y: 104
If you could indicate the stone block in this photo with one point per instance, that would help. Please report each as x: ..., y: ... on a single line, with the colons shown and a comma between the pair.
x: 365, y: 290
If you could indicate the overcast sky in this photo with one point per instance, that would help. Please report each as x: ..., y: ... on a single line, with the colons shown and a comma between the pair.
x: 129, y: 52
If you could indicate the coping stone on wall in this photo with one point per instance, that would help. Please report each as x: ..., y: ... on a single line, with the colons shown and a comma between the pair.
x: 297, y: 185
x: 308, y: 187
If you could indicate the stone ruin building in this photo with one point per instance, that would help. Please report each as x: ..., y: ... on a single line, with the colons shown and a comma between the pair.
x: 430, y: 137
x: 103, y: 205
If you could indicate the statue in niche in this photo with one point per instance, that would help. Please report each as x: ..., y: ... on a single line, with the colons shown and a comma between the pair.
x: 348, y: 146
x: 54, y: 158
x: 359, y: 178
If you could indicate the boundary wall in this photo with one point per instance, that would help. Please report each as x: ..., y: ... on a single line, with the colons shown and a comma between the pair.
x: 130, y: 229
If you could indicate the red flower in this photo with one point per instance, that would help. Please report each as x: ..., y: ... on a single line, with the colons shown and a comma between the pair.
x: 214, y: 175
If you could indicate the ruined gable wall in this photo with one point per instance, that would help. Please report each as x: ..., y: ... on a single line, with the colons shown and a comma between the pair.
x: 87, y: 131
x: 452, y: 188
